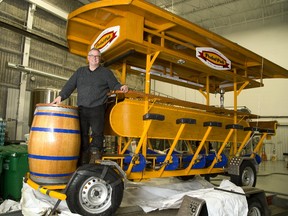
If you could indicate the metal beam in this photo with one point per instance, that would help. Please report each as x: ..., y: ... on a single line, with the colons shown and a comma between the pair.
x: 8, y: 24
x: 34, y: 71
x: 84, y: 1
x: 50, y: 8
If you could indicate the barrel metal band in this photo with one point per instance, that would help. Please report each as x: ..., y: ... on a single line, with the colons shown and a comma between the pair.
x: 51, y: 175
x: 56, y: 114
x: 55, y: 130
x: 62, y: 158
x: 59, y: 109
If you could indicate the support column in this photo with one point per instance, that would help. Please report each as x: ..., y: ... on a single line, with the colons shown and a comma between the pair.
x: 23, y: 82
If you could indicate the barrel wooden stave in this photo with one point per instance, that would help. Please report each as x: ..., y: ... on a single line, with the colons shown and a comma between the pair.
x: 54, y: 144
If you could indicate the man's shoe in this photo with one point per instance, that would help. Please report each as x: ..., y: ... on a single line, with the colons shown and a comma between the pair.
x: 84, y: 158
x: 95, y: 155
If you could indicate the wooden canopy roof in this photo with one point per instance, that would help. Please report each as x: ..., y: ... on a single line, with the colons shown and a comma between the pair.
x: 146, y: 29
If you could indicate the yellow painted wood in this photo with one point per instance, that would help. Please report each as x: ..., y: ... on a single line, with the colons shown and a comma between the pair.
x: 139, y: 146
x: 243, y: 143
x: 45, y: 190
x: 155, y: 173
x: 220, y: 151
x: 259, y: 145
x: 203, y: 140
x: 140, y: 20
x: 159, y: 39
x: 168, y: 158
x: 126, y: 145
x: 167, y: 129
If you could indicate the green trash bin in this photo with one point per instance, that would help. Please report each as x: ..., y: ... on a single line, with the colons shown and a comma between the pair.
x: 1, y: 159
x: 14, y: 168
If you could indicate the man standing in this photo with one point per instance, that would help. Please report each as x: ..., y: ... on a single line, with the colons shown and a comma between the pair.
x: 93, y: 82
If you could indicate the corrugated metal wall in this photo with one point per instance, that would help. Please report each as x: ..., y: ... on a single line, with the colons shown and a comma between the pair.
x: 43, y: 56
x: 278, y: 143
x: 10, y: 51
x: 53, y: 60
x: 11, y: 112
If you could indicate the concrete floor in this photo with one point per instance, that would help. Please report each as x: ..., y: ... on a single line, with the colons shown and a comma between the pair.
x: 272, y: 178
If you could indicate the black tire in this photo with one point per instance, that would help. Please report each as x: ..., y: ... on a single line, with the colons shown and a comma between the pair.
x: 247, y: 175
x: 254, y: 207
x: 97, y: 191
x: 185, y: 178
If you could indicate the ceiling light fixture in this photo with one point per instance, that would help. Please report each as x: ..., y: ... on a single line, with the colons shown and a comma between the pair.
x: 181, y: 61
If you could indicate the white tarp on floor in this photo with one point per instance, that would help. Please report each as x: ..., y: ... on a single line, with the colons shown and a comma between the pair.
x: 166, y: 194
x: 163, y: 193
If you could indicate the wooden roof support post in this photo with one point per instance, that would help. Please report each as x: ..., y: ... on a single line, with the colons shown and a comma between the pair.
x: 150, y: 59
x: 259, y: 145
x: 234, y: 149
x: 124, y: 72
x: 236, y: 94
x: 207, y: 91
x: 206, y: 94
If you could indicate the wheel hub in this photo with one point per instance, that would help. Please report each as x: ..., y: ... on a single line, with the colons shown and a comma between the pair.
x: 96, y: 195
x: 254, y: 212
x: 247, y: 177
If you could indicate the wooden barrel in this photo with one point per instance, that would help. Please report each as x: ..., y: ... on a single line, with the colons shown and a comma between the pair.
x: 54, y: 143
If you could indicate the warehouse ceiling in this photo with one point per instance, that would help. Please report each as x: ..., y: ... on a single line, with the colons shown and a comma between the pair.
x: 226, y: 16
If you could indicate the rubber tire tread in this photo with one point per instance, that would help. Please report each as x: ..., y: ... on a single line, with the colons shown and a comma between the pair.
x: 73, y: 191
x: 185, y: 178
x: 254, y: 202
x: 237, y: 179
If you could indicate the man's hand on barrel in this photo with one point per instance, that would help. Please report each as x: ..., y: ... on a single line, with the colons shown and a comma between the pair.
x: 57, y: 100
